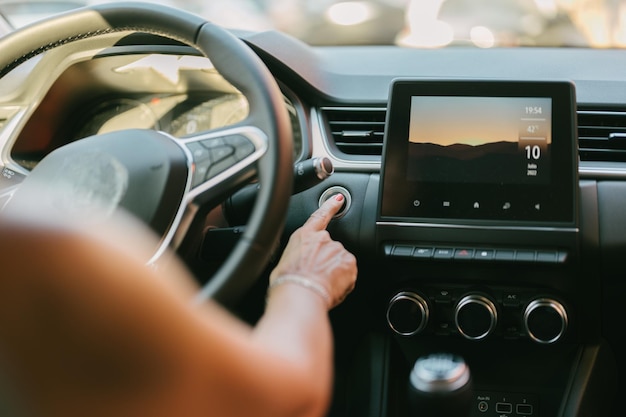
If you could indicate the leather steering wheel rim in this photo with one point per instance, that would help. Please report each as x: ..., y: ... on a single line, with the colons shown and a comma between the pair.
x: 239, y: 65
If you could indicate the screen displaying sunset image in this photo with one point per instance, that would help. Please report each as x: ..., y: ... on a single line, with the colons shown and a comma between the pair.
x: 479, y: 139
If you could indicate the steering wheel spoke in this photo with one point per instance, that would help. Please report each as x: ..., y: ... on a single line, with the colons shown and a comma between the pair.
x: 225, y: 156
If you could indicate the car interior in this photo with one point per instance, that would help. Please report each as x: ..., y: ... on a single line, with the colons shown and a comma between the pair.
x: 485, y: 189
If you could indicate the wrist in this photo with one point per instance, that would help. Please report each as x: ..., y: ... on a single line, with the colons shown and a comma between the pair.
x: 311, y: 285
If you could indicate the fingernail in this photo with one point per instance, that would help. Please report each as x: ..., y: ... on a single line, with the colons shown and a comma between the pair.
x: 339, y: 197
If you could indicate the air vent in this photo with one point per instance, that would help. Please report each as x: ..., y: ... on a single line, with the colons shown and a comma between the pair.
x: 602, y: 135
x: 356, y: 131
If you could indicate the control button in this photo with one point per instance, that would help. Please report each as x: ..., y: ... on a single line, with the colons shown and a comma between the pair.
x: 219, y: 153
x: 243, y: 146
x: 8, y: 177
x: 463, y: 254
x: 524, y: 409
x: 443, y: 253
x: 475, y: 316
x: 7, y: 173
x: 221, y: 165
x: 337, y: 190
x: 423, y: 253
x: 547, y: 256
x: 525, y: 256
x: 407, y: 313
x: 402, y: 250
x: 198, y: 151
x: 484, y: 254
x: 545, y: 320
x: 443, y: 297
x: 504, y: 255
x: 200, y: 171
x: 510, y: 300
x: 483, y: 406
x: 213, y: 142
x: 504, y: 408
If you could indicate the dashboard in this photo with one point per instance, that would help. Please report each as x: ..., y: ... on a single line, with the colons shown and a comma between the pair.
x: 501, y: 253
x: 487, y: 192
x: 183, y: 104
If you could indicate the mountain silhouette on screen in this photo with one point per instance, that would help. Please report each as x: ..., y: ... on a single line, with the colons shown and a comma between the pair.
x: 494, y: 162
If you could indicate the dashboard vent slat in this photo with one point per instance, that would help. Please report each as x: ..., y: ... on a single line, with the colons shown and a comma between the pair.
x: 354, y: 130
x: 602, y: 135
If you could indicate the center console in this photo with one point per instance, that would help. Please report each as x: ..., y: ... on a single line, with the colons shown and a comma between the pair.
x: 478, y: 216
x: 476, y: 175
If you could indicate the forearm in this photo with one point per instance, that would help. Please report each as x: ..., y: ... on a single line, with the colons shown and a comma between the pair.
x: 296, y: 327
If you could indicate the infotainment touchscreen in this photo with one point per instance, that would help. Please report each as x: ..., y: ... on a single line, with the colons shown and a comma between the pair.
x: 480, y: 151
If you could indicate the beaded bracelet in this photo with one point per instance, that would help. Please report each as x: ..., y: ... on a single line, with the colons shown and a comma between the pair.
x: 304, y: 282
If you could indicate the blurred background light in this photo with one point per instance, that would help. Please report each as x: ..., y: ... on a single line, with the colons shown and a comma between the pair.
x: 350, y: 13
x: 432, y: 35
x: 482, y: 37
x: 548, y: 8
x: 414, y: 23
x: 423, y: 27
x: 620, y: 32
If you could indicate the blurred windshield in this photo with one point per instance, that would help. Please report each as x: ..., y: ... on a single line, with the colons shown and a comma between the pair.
x: 410, y: 23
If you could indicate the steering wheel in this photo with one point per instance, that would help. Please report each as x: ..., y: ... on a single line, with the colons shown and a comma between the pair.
x: 170, y: 183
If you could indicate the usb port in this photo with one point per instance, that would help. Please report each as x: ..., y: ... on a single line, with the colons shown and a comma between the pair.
x: 524, y: 409
x: 504, y: 408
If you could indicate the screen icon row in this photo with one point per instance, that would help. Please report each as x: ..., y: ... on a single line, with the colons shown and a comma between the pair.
x: 477, y: 205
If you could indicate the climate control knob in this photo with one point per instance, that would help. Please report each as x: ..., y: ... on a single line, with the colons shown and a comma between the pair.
x: 475, y: 316
x: 545, y: 320
x: 407, y: 313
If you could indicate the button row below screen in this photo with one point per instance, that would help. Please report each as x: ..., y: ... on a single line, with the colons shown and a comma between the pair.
x: 475, y: 253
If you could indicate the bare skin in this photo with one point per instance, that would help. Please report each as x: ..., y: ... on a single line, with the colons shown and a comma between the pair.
x: 87, y: 329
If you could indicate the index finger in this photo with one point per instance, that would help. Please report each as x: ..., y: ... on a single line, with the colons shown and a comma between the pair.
x: 320, y: 218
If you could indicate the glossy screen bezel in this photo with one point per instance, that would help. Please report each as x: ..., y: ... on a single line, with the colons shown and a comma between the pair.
x: 556, y: 198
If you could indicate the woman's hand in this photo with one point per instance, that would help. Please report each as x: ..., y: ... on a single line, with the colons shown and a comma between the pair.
x: 316, y: 260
